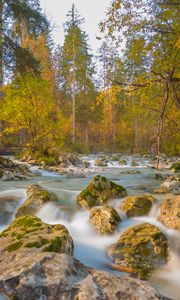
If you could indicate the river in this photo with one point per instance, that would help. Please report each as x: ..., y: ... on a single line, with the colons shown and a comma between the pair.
x: 90, y: 248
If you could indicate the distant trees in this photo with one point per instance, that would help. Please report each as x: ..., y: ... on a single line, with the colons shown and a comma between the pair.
x: 16, y: 18
x: 125, y: 99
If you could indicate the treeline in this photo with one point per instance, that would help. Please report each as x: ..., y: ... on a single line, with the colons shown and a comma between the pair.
x: 62, y: 98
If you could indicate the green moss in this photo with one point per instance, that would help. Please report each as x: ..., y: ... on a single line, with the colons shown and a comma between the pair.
x: 37, y: 244
x: 137, y: 205
x: 142, y: 248
x: 26, y: 222
x: 55, y: 245
x: 176, y: 166
x: 98, y: 191
x: 14, y: 246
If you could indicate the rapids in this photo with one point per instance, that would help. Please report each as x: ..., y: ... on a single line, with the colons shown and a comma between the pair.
x: 90, y: 248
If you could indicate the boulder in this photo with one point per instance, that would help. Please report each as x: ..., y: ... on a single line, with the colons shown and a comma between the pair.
x: 114, y: 157
x: 135, y: 206
x: 101, y: 162
x: 104, y: 219
x: 37, y: 197
x: 122, y: 162
x: 140, y: 248
x: 170, y: 213
x: 12, y: 171
x: 130, y: 172
x: 8, y: 205
x: 28, y: 232
x: 175, y: 167
x: 171, y: 185
x: 134, y: 163
x: 86, y: 163
x: 54, y: 276
x: 98, y: 191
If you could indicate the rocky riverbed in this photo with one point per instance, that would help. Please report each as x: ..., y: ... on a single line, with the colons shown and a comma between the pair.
x: 91, y: 227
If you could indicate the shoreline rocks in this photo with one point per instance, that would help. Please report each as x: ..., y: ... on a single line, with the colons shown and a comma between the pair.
x: 11, y: 171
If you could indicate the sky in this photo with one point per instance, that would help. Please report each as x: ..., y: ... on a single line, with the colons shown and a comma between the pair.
x: 93, y: 11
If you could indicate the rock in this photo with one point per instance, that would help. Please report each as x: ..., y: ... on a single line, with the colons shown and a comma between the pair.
x: 101, y: 162
x: 175, y: 167
x: 159, y: 176
x: 122, y: 162
x: 54, y: 276
x: 86, y: 163
x: 172, y: 184
x: 140, y: 248
x: 37, y: 197
x: 8, y: 205
x: 114, y: 157
x: 131, y: 172
x: 170, y: 213
x: 134, y: 163
x: 98, y: 191
x: 12, y: 171
x: 28, y: 232
x: 135, y: 206
x: 104, y: 219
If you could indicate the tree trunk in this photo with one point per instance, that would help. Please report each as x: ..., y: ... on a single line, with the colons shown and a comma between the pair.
x: 74, y: 89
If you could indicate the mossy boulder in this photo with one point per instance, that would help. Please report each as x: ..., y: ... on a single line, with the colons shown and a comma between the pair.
x: 140, y: 248
x: 134, y: 163
x: 175, y: 167
x: 104, y: 219
x: 114, y: 157
x: 98, y: 191
x: 122, y: 162
x: 131, y: 172
x: 135, y: 206
x: 170, y: 213
x: 101, y: 162
x: 37, y: 197
x: 171, y: 185
x: 29, y: 232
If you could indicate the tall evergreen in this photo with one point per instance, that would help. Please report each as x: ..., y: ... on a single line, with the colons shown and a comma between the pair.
x: 76, y: 62
x: 18, y: 16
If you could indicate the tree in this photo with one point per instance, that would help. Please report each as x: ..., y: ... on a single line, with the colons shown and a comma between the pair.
x: 17, y: 17
x: 76, y: 64
x: 157, y: 24
x: 28, y: 105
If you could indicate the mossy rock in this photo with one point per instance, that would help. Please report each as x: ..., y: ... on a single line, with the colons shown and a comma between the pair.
x: 131, y: 172
x: 98, y: 191
x: 140, y: 248
x: 37, y: 197
x: 31, y: 233
x: 122, y: 162
x: 114, y: 157
x: 135, y: 206
x: 104, y: 219
x: 170, y: 213
x: 1, y: 173
x: 134, y: 163
x: 101, y: 162
x: 176, y: 167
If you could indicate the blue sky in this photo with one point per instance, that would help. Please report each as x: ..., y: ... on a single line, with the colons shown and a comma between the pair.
x: 93, y: 11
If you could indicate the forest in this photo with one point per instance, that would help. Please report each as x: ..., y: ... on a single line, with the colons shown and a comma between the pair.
x: 90, y: 150
x: 63, y: 98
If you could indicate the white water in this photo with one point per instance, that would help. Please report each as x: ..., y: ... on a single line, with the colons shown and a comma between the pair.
x: 90, y: 248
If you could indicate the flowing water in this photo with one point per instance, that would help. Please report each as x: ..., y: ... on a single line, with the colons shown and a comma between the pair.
x: 90, y: 248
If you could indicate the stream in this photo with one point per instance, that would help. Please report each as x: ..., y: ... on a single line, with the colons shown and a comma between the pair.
x: 89, y: 247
